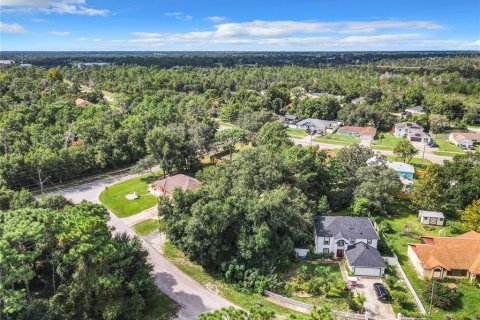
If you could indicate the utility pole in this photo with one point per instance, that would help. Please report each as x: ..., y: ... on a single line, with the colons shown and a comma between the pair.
x: 431, y: 298
x: 41, y: 181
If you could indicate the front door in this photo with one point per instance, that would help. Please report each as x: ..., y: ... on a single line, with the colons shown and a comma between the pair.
x: 340, y: 253
x: 433, y: 221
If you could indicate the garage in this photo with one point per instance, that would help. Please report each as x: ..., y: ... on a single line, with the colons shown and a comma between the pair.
x: 365, y: 271
x: 364, y: 260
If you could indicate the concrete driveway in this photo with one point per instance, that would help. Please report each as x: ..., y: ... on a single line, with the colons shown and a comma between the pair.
x: 193, y: 298
x: 377, y: 309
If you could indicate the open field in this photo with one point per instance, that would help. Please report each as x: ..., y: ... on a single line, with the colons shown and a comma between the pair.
x: 148, y: 226
x: 384, y: 141
x: 114, y: 197
x: 296, y: 133
x: 467, y: 302
x: 337, y: 139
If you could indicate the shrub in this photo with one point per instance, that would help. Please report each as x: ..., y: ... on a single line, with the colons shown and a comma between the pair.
x: 442, y: 296
x: 385, y: 227
x: 303, y: 273
x: 400, y: 297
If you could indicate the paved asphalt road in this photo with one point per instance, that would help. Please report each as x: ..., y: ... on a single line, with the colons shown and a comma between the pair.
x: 192, y: 296
x: 428, y: 153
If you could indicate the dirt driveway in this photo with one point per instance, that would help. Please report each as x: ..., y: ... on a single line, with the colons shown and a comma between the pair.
x: 379, y: 310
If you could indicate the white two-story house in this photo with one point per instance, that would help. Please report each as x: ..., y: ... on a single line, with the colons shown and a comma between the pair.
x: 354, y: 238
x: 411, y: 131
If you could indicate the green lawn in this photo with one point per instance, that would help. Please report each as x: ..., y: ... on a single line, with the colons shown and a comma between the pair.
x: 227, y: 124
x: 385, y: 141
x: 402, y: 215
x: 417, y: 163
x: 337, y: 139
x: 148, y: 226
x: 114, y: 197
x: 242, y: 299
x: 161, y: 307
x: 445, y: 146
x: 336, y: 296
x: 296, y: 133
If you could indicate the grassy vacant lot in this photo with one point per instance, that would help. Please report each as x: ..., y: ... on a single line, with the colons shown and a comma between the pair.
x: 337, y: 139
x: 242, y: 299
x: 416, y: 162
x: 467, y: 302
x: 296, y: 133
x: 336, y: 298
x: 148, y: 226
x: 384, y: 141
x: 114, y: 198
x: 161, y: 307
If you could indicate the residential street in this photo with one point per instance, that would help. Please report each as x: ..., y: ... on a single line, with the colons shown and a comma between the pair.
x: 428, y: 154
x: 192, y: 296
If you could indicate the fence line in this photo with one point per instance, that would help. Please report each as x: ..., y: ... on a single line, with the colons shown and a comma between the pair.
x: 308, y: 307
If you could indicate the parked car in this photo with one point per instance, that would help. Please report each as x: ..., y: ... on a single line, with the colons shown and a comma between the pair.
x: 432, y: 144
x: 471, y: 147
x: 381, y: 292
x: 464, y: 147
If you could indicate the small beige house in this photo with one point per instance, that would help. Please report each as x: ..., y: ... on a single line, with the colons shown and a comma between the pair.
x: 431, y: 217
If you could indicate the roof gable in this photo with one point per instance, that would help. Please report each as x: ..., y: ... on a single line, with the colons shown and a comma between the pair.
x: 345, y: 227
x: 363, y: 255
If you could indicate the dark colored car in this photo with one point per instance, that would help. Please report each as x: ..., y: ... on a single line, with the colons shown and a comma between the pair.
x: 381, y: 292
x: 432, y: 144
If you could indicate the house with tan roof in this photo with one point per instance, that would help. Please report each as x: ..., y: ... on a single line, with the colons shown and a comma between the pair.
x: 447, y: 257
x: 464, y: 138
x: 168, y: 185
x: 364, y: 133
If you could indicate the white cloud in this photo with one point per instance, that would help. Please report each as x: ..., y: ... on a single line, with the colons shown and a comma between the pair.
x: 77, y: 7
x: 146, y: 34
x: 11, y: 28
x: 59, y: 33
x: 305, y: 35
x: 216, y: 19
x: 82, y: 39
x: 179, y: 16
x: 36, y: 20
x: 97, y: 39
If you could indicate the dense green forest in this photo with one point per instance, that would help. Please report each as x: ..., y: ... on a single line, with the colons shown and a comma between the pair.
x: 42, y: 129
x: 60, y: 261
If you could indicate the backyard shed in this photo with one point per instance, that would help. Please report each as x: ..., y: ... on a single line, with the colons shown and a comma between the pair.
x: 431, y: 217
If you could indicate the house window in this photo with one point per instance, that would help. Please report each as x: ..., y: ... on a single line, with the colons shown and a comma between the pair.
x: 326, y: 241
x: 440, y: 219
x: 340, y: 243
x: 457, y: 273
x: 325, y: 250
x: 369, y: 241
x: 352, y: 241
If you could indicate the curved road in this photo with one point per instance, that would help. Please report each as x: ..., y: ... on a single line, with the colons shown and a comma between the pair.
x: 193, y: 298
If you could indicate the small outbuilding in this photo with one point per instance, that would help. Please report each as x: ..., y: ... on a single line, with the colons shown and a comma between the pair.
x: 431, y: 217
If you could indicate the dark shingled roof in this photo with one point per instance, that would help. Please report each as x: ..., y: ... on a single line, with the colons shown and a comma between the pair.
x: 345, y: 227
x: 362, y: 255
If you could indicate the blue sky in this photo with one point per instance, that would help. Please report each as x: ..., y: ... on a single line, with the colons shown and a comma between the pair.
x: 298, y: 25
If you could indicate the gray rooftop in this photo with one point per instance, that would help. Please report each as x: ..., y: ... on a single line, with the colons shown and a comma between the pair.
x: 363, y: 255
x: 345, y: 227
x: 316, y: 122
x: 431, y: 214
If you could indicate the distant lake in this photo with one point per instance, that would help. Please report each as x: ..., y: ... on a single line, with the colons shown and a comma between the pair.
x: 87, y: 64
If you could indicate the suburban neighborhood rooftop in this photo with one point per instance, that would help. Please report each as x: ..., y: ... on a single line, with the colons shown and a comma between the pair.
x: 345, y: 227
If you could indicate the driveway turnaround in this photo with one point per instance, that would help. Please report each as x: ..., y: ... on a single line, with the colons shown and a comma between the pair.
x: 193, y: 298
x: 376, y: 308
